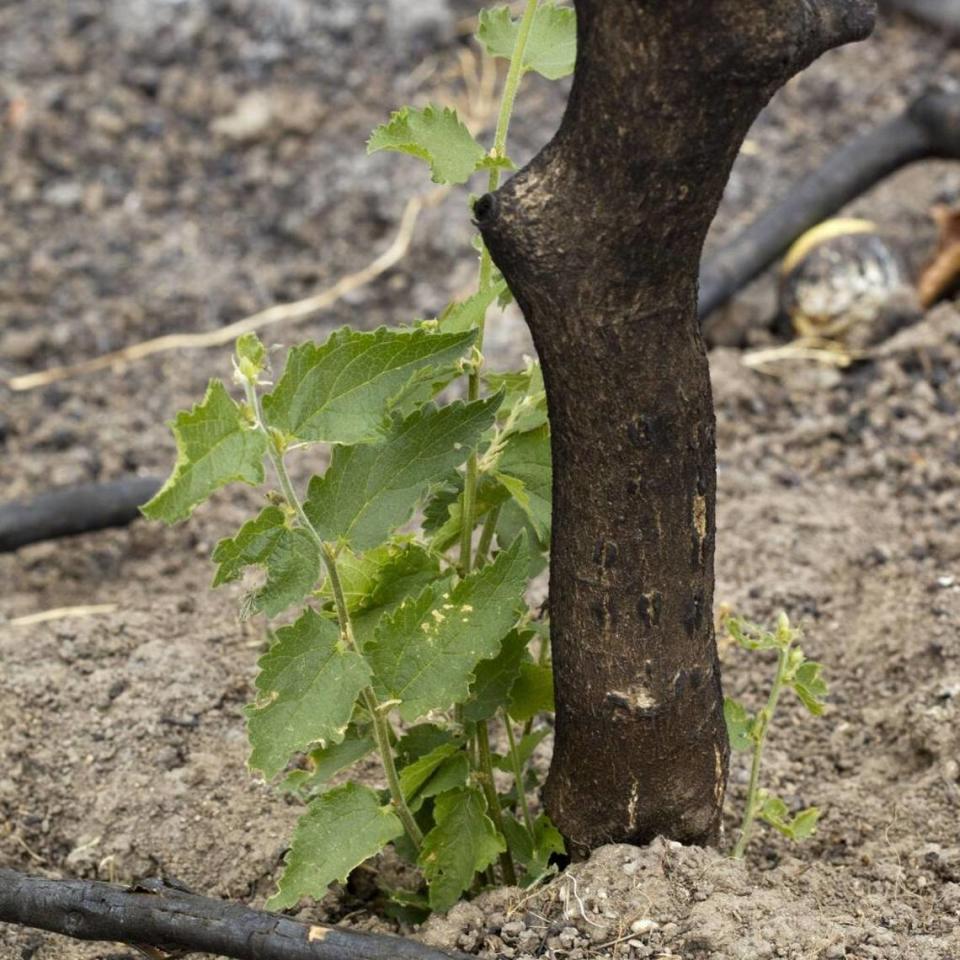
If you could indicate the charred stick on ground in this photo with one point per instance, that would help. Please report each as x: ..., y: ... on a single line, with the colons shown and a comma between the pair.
x: 73, y: 510
x: 163, y: 916
x: 929, y: 128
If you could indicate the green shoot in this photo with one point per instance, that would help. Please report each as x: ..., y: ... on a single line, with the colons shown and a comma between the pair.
x: 749, y: 732
x: 409, y: 641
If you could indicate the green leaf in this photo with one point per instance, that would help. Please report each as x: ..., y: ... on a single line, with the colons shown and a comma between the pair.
x: 810, y: 687
x: 532, y: 693
x: 415, y: 775
x: 463, y: 842
x: 338, y: 832
x: 425, y: 653
x: 371, y: 489
x: 525, y: 403
x: 494, y: 679
x: 525, y: 469
x: 377, y: 581
x: 216, y: 445
x: 512, y: 523
x: 551, y: 46
x: 307, y: 687
x: 804, y: 823
x: 290, y: 557
x: 436, y: 135
x: 339, y: 392
x: 739, y: 723
x: 461, y: 316
x: 452, y: 774
x: 251, y: 356
x: 533, y: 853
x: 775, y: 812
x: 327, y: 762
x: 419, y: 740
x: 750, y: 636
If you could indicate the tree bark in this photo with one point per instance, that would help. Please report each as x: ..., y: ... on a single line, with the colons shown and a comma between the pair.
x: 600, y: 238
x: 162, y: 916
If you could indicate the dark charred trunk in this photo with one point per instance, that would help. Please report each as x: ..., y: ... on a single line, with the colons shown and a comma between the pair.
x: 600, y: 240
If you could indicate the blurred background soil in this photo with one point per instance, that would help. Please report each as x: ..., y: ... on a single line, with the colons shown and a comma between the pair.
x: 174, y: 165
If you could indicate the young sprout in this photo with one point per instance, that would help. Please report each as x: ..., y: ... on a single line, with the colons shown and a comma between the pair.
x: 749, y: 732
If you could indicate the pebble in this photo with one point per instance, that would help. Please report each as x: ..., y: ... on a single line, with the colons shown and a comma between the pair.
x: 643, y: 926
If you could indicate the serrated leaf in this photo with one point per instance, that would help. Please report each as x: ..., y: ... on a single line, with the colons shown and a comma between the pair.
x: 739, y: 722
x: 551, y: 48
x: 525, y: 403
x: 251, y: 355
x: 436, y: 135
x: 525, y: 747
x: 749, y: 636
x: 463, y: 842
x: 371, y: 489
x: 338, y: 832
x: 468, y: 314
x: 216, y: 445
x: 290, y: 557
x: 338, y: 392
x: 810, y: 687
x: 525, y: 469
x: 533, y: 853
x: 377, y: 581
x: 424, y: 655
x: 452, y: 774
x: 420, y: 739
x: 307, y: 687
x: 416, y: 774
x: 532, y: 692
x: 327, y: 762
x: 494, y: 679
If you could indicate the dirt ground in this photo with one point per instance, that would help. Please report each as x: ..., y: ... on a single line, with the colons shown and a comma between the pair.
x: 172, y: 165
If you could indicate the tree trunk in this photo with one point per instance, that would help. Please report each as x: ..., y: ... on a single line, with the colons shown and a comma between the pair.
x: 600, y: 239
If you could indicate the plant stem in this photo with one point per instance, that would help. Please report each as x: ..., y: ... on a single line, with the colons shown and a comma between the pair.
x: 512, y: 84
x: 486, y: 536
x: 518, y: 778
x: 510, y: 87
x: 493, y: 800
x: 764, y: 717
x: 381, y: 725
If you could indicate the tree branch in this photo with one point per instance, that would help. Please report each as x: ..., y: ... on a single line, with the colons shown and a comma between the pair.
x: 163, y: 916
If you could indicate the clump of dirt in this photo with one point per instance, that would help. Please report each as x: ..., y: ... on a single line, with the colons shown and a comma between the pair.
x: 173, y: 166
x: 667, y: 900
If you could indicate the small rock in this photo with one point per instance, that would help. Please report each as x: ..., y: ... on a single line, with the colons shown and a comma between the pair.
x: 250, y: 119
x: 644, y: 926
